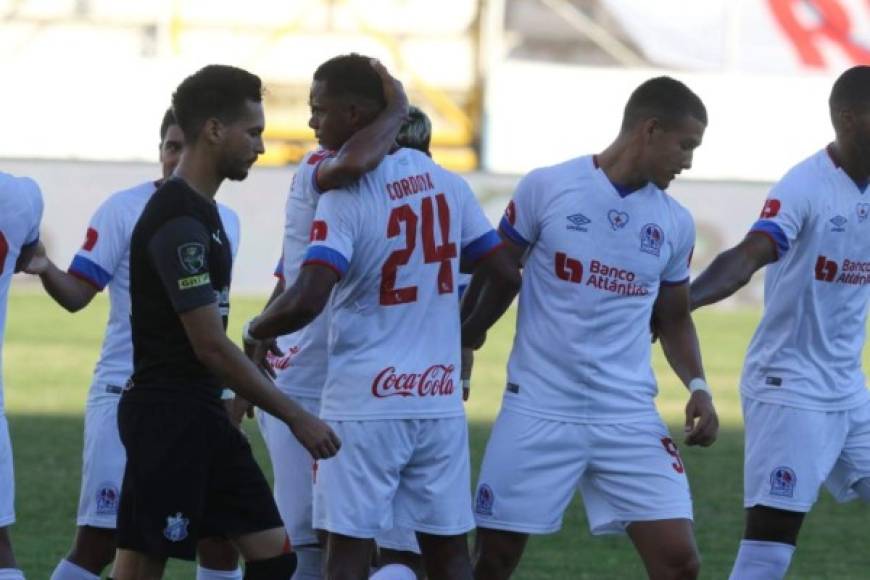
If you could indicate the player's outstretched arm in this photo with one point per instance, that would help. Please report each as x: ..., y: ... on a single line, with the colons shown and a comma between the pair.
x: 732, y: 269
x: 679, y: 340
x: 494, y: 284
x: 70, y: 292
x: 367, y: 147
x: 205, y: 331
x: 298, y: 305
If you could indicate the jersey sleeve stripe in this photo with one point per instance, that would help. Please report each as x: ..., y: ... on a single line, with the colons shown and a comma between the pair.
x: 774, y: 232
x: 326, y: 257
x: 511, y: 233
x: 675, y: 282
x: 482, y: 246
x: 90, y: 272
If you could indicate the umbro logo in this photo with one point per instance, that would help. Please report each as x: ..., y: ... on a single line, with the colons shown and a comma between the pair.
x: 578, y: 222
x: 216, y: 236
x: 839, y: 223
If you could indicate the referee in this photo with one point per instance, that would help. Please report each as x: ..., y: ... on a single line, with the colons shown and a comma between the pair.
x: 190, y: 473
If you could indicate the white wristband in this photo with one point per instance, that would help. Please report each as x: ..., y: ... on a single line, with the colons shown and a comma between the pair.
x: 246, y: 332
x: 699, y: 384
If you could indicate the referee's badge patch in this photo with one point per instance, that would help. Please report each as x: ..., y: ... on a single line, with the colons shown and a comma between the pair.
x: 782, y: 482
x: 176, y: 527
x: 485, y: 500
x: 192, y: 256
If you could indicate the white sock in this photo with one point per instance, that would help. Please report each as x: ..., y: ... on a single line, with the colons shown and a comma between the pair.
x: 11, y: 574
x: 208, y: 574
x: 309, y: 563
x: 66, y: 570
x: 394, y: 572
x: 757, y: 560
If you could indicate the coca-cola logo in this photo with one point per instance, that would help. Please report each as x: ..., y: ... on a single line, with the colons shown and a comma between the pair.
x: 436, y: 381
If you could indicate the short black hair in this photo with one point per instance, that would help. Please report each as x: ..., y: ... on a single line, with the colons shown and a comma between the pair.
x: 851, y: 90
x: 166, y: 123
x: 218, y: 91
x: 664, y: 98
x: 416, y: 132
x: 351, y: 75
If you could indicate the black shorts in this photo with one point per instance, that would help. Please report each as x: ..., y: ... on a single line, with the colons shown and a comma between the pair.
x: 190, y: 474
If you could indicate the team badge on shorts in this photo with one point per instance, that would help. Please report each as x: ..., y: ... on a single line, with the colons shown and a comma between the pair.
x: 782, y: 482
x: 192, y: 256
x: 176, y: 527
x: 651, y: 239
x: 863, y: 210
x: 107, y: 499
x: 485, y: 500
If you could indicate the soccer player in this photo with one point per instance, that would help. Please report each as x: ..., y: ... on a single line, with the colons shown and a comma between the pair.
x: 20, y: 214
x: 805, y: 404
x: 389, y: 245
x: 104, y: 261
x: 190, y: 472
x: 603, y: 249
x: 361, y: 144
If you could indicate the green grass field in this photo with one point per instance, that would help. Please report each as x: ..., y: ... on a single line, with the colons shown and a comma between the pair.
x: 49, y: 355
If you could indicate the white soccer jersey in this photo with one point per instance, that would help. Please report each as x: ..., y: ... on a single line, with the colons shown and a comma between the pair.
x: 806, y: 351
x: 596, y: 258
x: 395, y: 239
x: 302, y: 368
x: 20, y: 214
x: 104, y: 260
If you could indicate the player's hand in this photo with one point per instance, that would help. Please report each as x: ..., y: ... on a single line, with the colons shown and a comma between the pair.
x: 39, y: 263
x: 258, y: 351
x: 702, y: 422
x: 465, y: 373
x: 239, y: 408
x: 315, y: 436
x: 394, y: 92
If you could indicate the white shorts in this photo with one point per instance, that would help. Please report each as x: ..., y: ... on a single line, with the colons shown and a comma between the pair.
x: 293, y: 468
x: 7, y: 476
x: 625, y: 472
x: 790, y: 453
x: 410, y: 473
x: 103, y: 461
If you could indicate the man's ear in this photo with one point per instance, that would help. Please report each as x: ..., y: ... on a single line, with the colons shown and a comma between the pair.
x: 213, y: 130
x: 650, y: 126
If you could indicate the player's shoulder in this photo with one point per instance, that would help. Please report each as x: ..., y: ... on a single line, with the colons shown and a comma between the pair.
x: 19, y: 188
x: 552, y: 176
x: 132, y: 196
x: 806, y: 175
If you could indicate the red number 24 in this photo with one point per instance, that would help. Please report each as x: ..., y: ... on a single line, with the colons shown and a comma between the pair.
x: 432, y: 251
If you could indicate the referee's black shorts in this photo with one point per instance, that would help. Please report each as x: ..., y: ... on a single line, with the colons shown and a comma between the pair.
x: 190, y: 474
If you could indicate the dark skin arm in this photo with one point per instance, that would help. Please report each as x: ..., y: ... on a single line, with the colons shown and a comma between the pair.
x: 367, y: 147
x: 495, y: 283
x: 297, y: 306
x: 70, y: 292
x: 679, y: 340
x: 732, y: 269
x: 204, y: 328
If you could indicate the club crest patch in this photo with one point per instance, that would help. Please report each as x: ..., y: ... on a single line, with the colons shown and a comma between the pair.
x: 782, y: 482
x: 176, y: 527
x: 192, y: 257
x: 485, y: 500
x: 651, y: 239
x: 107, y: 498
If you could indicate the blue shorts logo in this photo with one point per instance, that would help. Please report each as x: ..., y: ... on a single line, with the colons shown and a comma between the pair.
x: 176, y: 528
x: 107, y: 499
x: 485, y: 500
x: 782, y: 482
x: 651, y: 239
